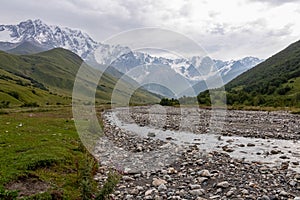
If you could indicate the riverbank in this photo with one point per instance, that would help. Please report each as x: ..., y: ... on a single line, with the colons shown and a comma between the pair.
x: 189, y: 172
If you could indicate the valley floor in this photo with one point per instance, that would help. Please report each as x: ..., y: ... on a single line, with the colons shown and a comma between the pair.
x: 173, y: 153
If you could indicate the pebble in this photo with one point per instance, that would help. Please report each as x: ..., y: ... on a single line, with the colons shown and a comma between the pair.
x: 204, y: 173
x: 162, y: 187
x: 196, y: 192
x: 195, y: 186
x: 283, y: 193
x: 250, y: 145
x: 157, y: 182
x: 151, y: 134
x: 223, y: 184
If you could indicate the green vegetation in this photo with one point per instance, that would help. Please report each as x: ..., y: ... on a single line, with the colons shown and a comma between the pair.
x: 108, y: 187
x: 44, y: 148
x: 273, y: 83
x: 16, y: 91
x: 41, y: 145
x: 169, y: 102
x: 47, y: 78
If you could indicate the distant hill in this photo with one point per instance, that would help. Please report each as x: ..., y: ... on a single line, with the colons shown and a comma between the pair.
x: 21, y: 91
x: 52, y: 74
x: 274, y: 82
x: 27, y: 48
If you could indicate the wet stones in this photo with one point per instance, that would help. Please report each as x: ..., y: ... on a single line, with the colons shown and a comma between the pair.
x: 151, y: 134
x: 227, y: 149
x: 250, y: 145
x: 260, y: 124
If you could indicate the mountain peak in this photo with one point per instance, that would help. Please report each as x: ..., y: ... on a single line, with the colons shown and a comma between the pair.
x: 38, y: 21
x: 48, y: 36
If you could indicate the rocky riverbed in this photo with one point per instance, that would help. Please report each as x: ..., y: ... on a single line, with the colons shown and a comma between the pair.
x: 145, y: 144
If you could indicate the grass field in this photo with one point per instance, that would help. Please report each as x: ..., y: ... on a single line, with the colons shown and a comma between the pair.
x: 41, y: 148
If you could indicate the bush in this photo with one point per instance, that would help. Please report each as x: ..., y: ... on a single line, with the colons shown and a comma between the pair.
x: 169, y: 102
x: 204, y: 98
x: 4, y: 104
x: 14, y: 94
x: 41, y: 163
x: 85, y: 177
x: 109, y: 186
x: 283, y: 90
x: 41, y: 196
x: 8, y: 194
x: 30, y: 104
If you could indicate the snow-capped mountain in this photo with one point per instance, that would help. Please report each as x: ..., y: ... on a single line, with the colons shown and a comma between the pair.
x: 193, y: 69
x: 140, y: 66
x: 47, y: 36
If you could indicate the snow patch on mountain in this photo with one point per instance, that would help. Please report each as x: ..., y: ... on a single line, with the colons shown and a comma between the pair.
x: 48, y: 36
x: 5, y: 35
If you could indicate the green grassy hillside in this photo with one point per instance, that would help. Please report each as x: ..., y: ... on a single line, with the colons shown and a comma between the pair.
x: 52, y: 74
x: 19, y: 91
x: 274, y: 82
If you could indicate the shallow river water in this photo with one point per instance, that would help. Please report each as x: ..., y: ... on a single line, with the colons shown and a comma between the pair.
x: 269, y: 151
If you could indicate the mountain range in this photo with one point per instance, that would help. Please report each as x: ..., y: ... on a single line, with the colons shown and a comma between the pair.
x: 34, y: 36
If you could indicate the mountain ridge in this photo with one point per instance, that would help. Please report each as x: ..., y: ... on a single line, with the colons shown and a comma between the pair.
x: 116, y: 57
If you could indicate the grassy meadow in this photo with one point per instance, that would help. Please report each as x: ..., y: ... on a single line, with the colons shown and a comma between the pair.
x: 41, y: 146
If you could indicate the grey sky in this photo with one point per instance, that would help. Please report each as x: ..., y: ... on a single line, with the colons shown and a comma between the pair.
x: 226, y: 29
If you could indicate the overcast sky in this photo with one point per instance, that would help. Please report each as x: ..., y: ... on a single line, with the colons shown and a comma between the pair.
x: 225, y: 29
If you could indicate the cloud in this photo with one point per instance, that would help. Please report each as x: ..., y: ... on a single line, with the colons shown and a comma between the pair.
x: 275, y: 2
x: 284, y: 31
x: 226, y: 29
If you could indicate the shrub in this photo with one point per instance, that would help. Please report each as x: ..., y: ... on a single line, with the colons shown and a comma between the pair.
x: 87, y: 183
x: 8, y: 194
x: 4, y: 104
x: 283, y: 90
x: 41, y: 196
x: 30, y: 104
x: 169, y: 102
x: 109, y: 186
x: 14, y: 94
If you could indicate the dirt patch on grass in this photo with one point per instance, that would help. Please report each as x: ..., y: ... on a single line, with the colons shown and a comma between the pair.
x: 28, y: 185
